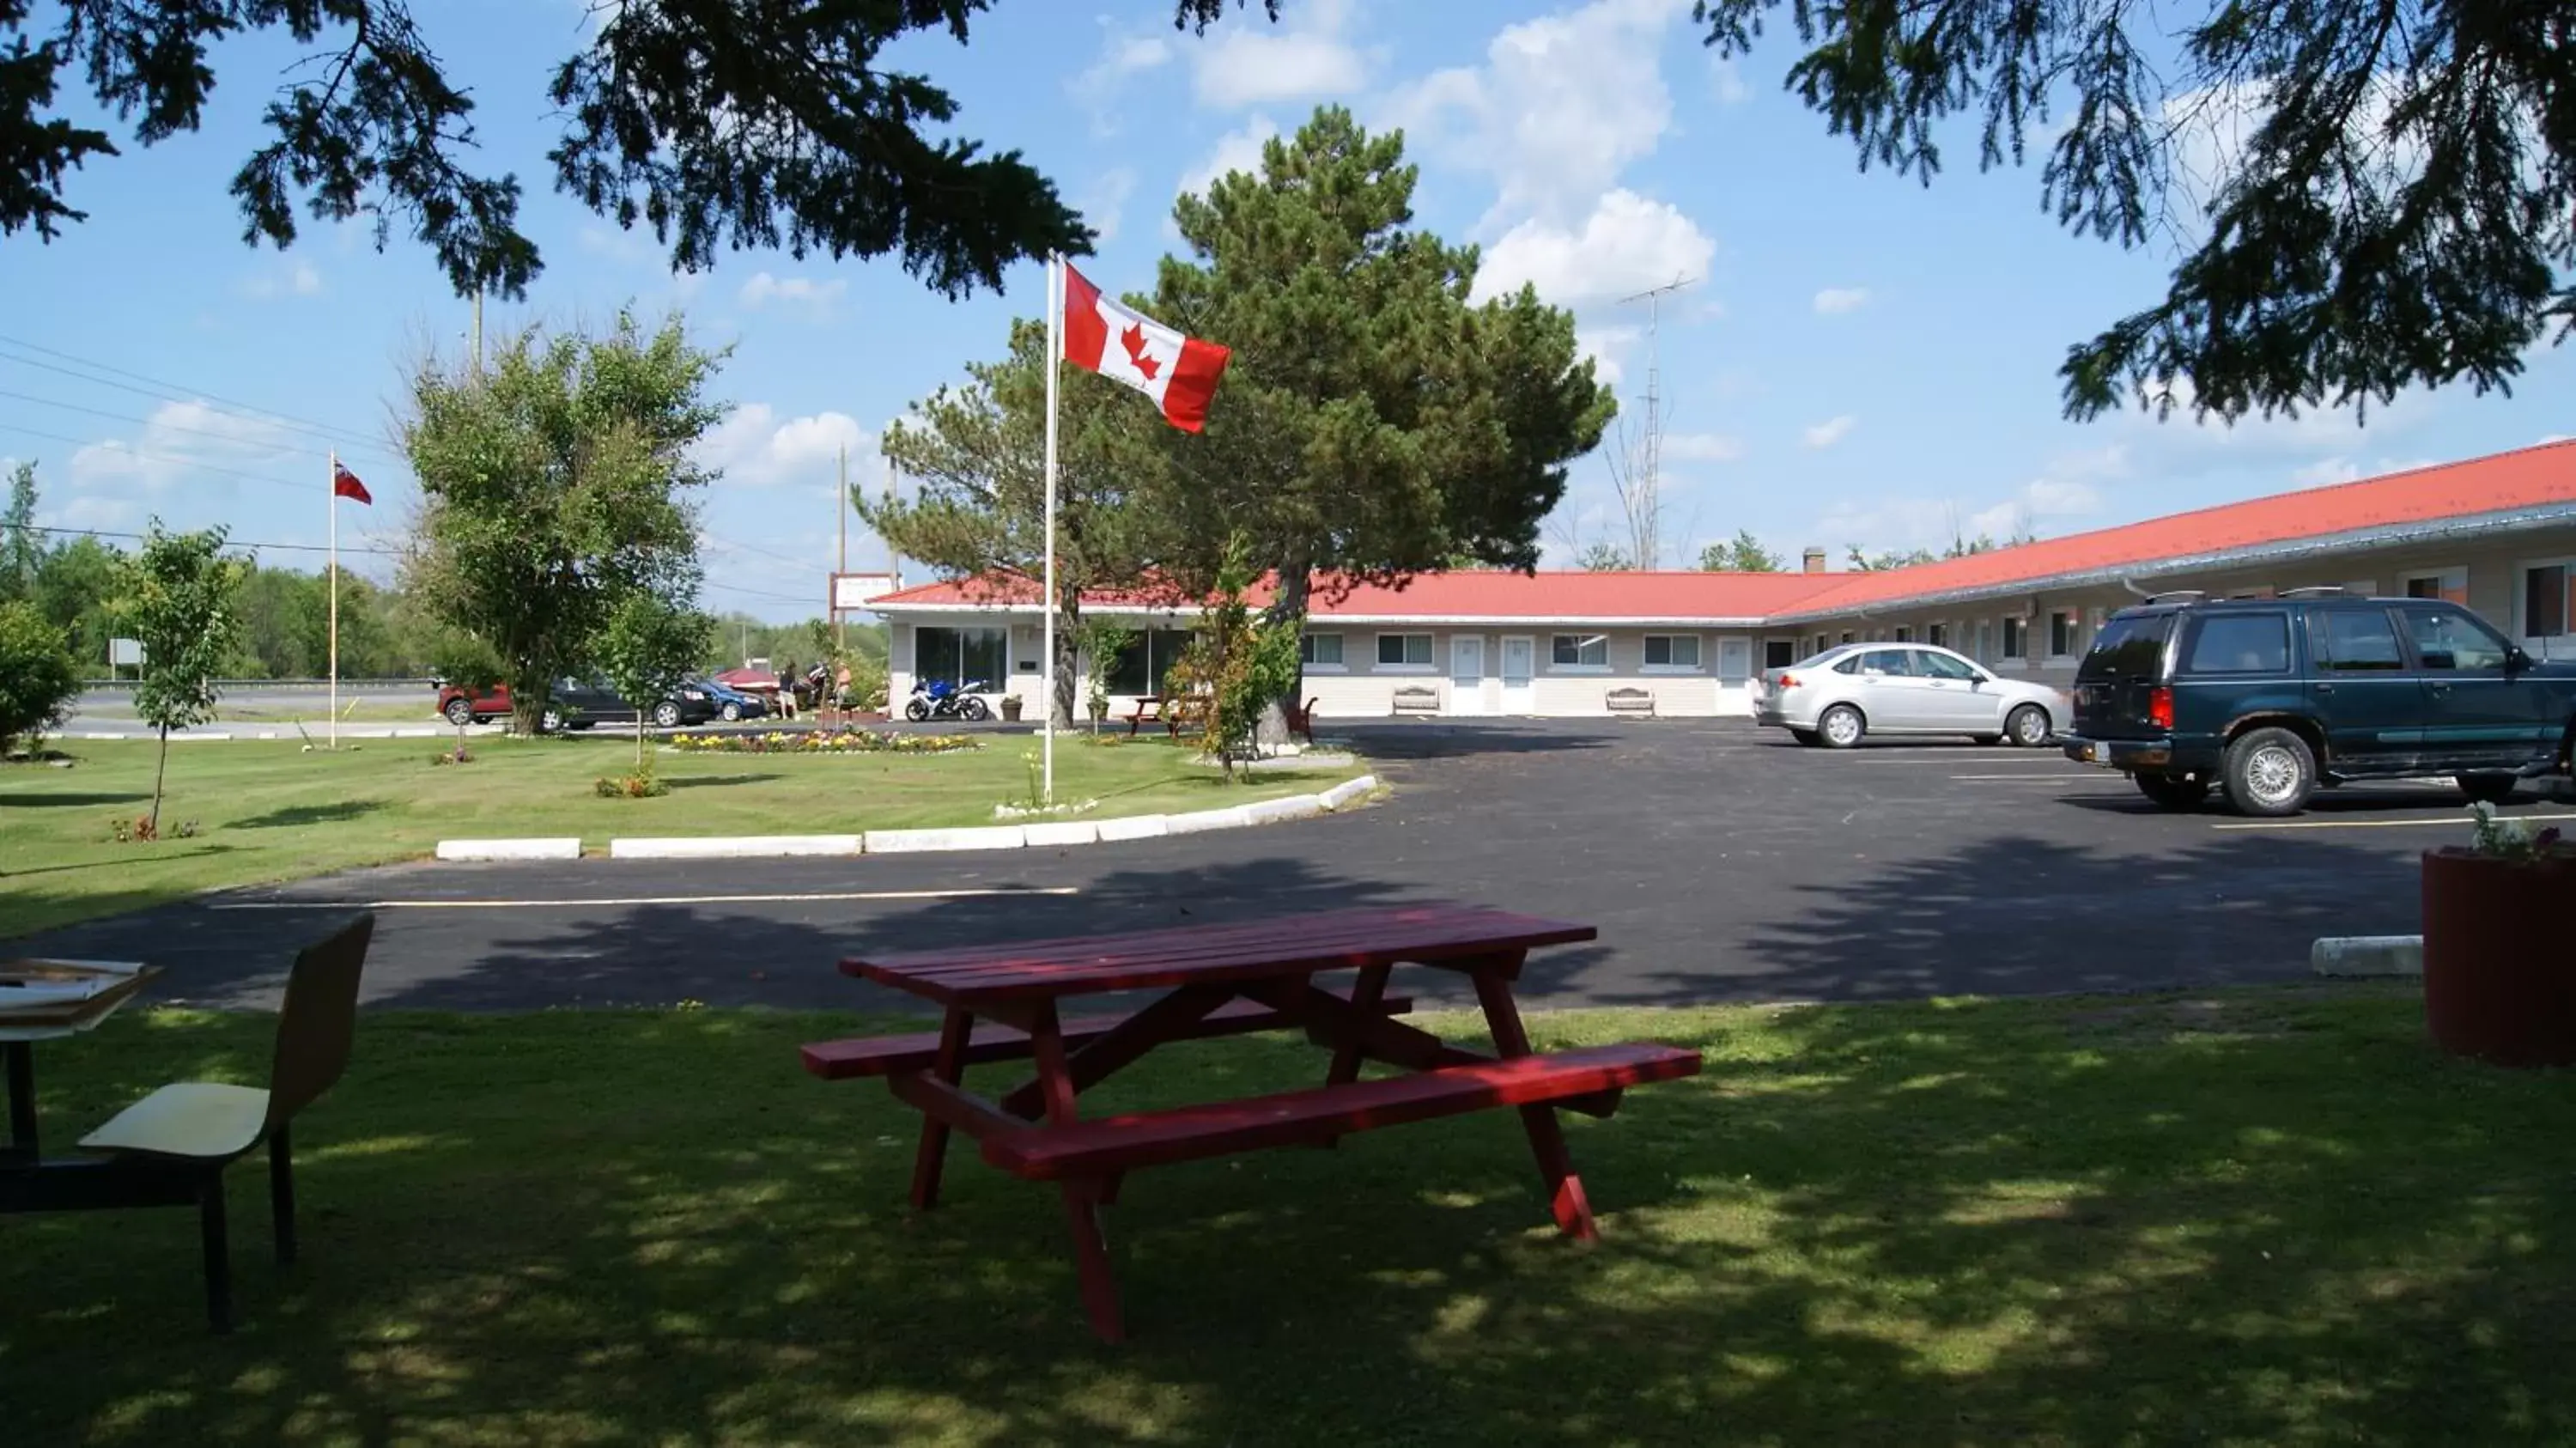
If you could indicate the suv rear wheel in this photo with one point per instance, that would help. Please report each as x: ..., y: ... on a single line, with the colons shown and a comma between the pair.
x: 2270, y: 772
x: 2486, y: 788
x: 1841, y: 726
x: 2172, y: 793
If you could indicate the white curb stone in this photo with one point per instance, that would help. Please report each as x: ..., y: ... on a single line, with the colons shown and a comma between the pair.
x: 978, y: 837
x: 732, y: 847
x: 1275, y: 811
x: 2368, y: 955
x: 1136, y: 827
x: 569, y: 849
x: 1061, y: 832
x: 1207, y: 819
x: 1349, y: 791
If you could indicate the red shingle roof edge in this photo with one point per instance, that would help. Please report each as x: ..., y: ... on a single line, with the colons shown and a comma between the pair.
x: 2540, y: 478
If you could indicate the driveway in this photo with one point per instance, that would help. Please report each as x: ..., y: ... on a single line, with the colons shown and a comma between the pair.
x: 1721, y: 863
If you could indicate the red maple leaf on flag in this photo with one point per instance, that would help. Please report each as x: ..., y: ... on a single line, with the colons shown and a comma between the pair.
x: 1133, y: 339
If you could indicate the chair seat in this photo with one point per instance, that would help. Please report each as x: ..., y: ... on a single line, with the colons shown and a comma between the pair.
x: 193, y: 1120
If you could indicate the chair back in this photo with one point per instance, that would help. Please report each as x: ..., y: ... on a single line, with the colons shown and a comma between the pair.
x: 319, y: 1021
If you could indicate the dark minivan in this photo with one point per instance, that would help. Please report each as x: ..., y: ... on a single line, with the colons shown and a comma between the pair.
x: 2267, y: 699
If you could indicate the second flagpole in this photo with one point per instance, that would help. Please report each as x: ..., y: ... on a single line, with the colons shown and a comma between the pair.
x: 1055, y: 359
x: 331, y: 500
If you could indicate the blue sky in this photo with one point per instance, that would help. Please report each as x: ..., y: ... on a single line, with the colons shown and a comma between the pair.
x: 1860, y: 360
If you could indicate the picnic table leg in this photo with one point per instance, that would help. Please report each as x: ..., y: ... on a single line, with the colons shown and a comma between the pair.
x: 949, y: 1066
x: 1565, y: 1197
x: 1366, y: 995
x: 1082, y: 1199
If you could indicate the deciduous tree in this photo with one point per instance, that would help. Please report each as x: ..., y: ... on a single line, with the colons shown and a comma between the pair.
x: 554, y: 482
x: 38, y: 681
x: 177, y: 600
x: 648, y: 644
x: 1742, y: 554
x: 22, y: 548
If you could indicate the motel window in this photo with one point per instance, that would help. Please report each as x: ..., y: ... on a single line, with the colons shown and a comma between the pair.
x: 1581, y: 651
x: 1779, y: 653
x: 1984, y: 652
x: 1145, y: 661
x: 2064, y: 634
x: 1849, y: 637
x: 1320, y: 650
x: 962, y: 656
x: 2016, y: 645
x: 1905, y: 633
x: 1404, y: 650
x: 2545, y: 601
x: 1672, y: 651
x: 1937, y: 635
x: 2450, y: 585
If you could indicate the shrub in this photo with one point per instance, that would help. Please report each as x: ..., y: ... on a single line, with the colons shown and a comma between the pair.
x: 38, y: 679
x: 629, y: 786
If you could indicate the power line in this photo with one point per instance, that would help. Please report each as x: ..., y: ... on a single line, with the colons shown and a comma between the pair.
x: 228, y: 542
x: 168, y: 392
x: 157, y: 457
x: 757, y: 592
x: 148, y: 422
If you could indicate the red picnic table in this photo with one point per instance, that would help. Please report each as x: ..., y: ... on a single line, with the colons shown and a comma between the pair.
x: 1000, y: 1004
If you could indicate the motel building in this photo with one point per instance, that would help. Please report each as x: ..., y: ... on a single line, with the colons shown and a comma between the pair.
x: 2498, y: 533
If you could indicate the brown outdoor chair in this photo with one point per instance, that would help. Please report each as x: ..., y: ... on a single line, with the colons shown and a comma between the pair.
x: 194, y: 1129
x: 1301, y: 721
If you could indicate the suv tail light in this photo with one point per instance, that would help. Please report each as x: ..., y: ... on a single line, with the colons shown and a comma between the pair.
x: 2160, y: 706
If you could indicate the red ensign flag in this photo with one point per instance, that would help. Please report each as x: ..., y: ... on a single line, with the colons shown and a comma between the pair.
x: 1180, y: 373
x: 345, y: 484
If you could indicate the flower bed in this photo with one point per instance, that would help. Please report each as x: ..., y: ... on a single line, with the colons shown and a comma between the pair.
x: 846, y: 741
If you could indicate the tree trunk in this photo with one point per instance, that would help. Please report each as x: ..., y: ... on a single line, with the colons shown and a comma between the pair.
x: 1288, y: 606
x: 1064, y: 673
x: 639, y: 742
x: 527, y: 706
x: 160, y: 768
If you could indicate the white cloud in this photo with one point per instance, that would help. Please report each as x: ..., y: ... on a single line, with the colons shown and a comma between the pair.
x: 1726, y: 81
x: 1840, y: 301
x: 1703, y: 447
x: 179, y: 441
x: 1560, y: 107
x: 1832, y: 430
x: 756, y: 449
x: 2325, y: 472
x: 1628, y: 243
x: 293, y: 277
x: 1237, y: 150
x: 1105, y: 203
x: 2554, y: 437
x: 1251, y: 60
x: 1106, y: 88
x: 815, y: 298
x: 1606, y: 346
x: 2041, y: 506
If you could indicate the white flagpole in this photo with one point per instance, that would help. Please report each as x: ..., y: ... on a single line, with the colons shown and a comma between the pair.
x: 331, y: 500
x: 1055, y: 357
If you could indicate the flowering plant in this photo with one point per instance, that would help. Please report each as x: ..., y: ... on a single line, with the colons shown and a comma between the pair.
x: 2516, y: 840
x: 843, y: 741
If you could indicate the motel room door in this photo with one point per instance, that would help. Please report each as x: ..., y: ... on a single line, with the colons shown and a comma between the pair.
x: 1466, y: 673
x: 1520, y: 659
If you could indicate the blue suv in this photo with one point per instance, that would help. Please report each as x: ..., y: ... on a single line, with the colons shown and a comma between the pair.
x: 2268, y: 699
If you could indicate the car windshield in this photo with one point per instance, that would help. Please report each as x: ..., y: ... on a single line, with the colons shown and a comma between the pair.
x: 2130, y: 644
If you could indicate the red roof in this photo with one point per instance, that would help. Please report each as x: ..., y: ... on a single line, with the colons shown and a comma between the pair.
x: 2533, y: 477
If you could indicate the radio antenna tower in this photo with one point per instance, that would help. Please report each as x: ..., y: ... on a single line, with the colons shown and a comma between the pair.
x: 1637, y: 463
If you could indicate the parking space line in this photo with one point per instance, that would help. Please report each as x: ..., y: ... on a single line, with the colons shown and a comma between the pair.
x: 2447, y: 821
x: 2034, y: 778
x: 625, y: 900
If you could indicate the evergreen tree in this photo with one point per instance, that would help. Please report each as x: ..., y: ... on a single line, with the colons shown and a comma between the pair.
x: 22, y: 548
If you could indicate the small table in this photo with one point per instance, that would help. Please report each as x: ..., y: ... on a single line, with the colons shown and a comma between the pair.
x: 28, y: 1180
x: 1225, y: 980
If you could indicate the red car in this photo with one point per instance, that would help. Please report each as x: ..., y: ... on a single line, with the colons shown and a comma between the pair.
x: 461, y: 708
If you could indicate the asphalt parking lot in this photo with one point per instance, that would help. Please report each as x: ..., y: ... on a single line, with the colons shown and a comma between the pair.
x: 1720, y: 863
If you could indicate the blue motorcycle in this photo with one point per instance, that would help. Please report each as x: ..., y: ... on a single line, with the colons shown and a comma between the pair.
x: 940, y: 699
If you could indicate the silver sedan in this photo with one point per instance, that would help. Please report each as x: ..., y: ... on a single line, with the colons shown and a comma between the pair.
x: 1844, y: 694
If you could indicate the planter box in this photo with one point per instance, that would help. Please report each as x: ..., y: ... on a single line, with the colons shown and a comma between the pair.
x: 2500, y: 958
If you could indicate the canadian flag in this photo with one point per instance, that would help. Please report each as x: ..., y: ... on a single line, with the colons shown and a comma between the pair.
x: 1180, y: 373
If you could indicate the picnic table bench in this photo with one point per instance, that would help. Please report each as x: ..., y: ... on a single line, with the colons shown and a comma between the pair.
x: 1174, y: 712
x: 1000, y: 1003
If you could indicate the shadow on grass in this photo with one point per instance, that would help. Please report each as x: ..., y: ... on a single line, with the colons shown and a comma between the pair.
x: 716, y: 781
x: 2262, y: 1217
x: 336, y: 811
x: 62, y: 801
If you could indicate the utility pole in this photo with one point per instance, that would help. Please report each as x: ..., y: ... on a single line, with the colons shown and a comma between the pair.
x: 1640, y: 479
x: 841, y: 516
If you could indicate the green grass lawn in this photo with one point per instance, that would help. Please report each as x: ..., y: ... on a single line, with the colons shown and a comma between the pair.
x: 2257, y: 1218
x: 376, y: 710
x: 271, y: 811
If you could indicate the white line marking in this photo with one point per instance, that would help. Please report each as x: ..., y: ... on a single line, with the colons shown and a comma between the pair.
x: 2452, y: 822
x: 2032, y: 778
x: 635, y: 900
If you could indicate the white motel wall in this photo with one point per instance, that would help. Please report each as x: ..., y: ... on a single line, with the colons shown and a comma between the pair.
x: 2506, y: 545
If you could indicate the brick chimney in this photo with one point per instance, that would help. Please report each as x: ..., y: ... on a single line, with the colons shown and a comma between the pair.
x: 1815, y: 560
